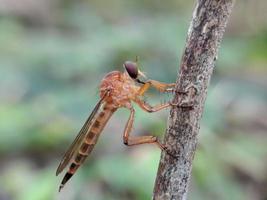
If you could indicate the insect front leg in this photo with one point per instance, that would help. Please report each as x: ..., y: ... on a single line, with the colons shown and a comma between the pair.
x: 162, y: 87
x: 187, y: 97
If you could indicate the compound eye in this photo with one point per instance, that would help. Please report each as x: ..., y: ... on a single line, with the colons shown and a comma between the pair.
x: 131, y: 68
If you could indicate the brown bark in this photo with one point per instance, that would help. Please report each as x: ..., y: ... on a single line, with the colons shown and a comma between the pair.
x: 204, y: 36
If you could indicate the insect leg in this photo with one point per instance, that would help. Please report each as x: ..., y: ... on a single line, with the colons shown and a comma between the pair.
x: 148, y: 108
x: 162, y: 87
x: 135, y: 140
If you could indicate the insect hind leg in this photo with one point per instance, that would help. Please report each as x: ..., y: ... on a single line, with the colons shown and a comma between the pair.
x: 130, y: 140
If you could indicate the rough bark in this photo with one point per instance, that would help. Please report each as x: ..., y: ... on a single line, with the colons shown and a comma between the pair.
x: 204, y: 36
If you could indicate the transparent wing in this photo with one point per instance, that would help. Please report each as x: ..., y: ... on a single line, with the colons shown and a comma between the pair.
x: 79, y: 138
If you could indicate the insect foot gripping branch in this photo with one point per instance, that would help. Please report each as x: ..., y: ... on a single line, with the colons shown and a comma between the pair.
x: 187, y: 97
x: 117, y: 90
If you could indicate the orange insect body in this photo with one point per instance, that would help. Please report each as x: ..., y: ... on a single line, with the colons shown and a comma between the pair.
x: 122, y: 89
x: 117, y: 89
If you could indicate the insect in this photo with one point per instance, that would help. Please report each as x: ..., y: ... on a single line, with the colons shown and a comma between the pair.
x: 117, y: 90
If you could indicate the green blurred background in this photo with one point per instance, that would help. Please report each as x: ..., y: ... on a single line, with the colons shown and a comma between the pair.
x: 53, y: 54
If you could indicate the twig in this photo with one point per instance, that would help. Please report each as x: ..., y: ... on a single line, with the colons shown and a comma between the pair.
x: 204, y: 36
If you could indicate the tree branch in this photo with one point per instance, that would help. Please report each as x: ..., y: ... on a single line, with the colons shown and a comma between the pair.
x: 204, y: 36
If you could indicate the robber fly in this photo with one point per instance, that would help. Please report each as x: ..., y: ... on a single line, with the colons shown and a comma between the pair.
x: 117, y: 90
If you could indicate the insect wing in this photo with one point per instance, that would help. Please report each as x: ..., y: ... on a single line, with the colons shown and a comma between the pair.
x: 79, y: 138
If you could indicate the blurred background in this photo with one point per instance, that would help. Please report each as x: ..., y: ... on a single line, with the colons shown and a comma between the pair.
x: 53, y: 54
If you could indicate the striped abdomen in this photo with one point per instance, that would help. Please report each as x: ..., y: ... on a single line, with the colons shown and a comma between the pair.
x: 87, y: 145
